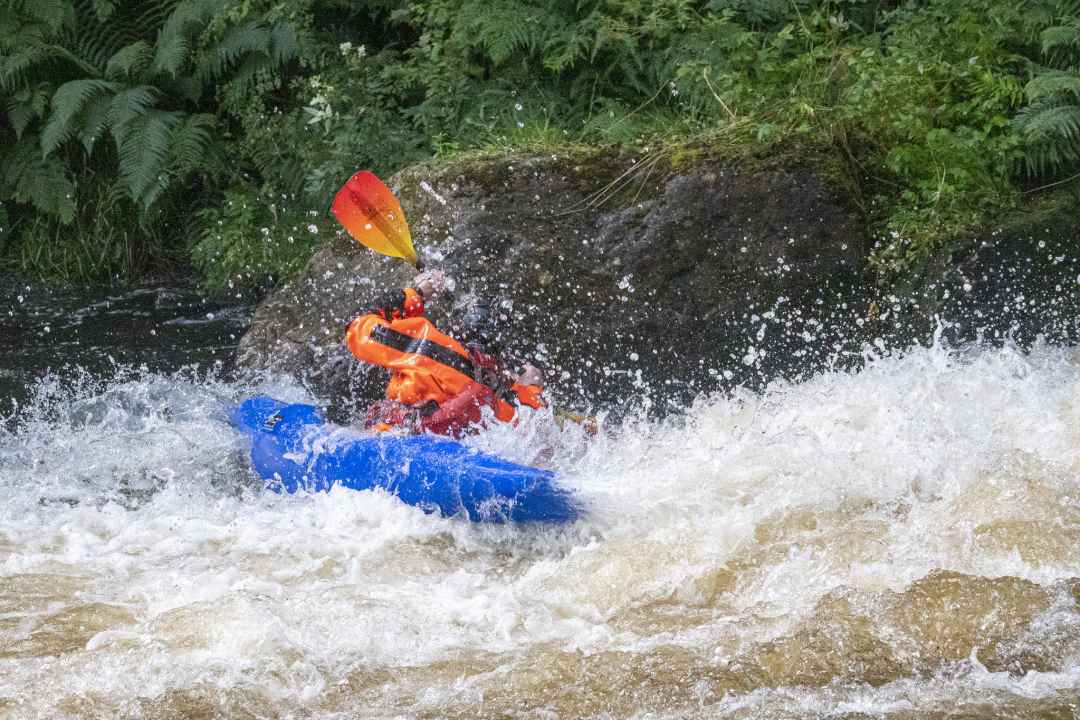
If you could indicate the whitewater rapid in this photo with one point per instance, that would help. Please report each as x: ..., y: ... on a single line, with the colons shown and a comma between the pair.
x: 897, y: 542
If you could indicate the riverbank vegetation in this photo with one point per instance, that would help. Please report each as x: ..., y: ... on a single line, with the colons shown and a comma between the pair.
x: 151, y: 134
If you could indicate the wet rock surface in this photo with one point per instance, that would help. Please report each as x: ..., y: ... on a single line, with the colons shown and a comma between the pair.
x: 1019, y: 283
x: 678, y: 282
x: 632, y: 279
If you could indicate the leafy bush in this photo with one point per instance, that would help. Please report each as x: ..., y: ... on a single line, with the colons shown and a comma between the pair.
x: 940, y: 111
x: 1050, y: 124
x: 74, y: 73
x: 928, y: 105
x: 249, y: 240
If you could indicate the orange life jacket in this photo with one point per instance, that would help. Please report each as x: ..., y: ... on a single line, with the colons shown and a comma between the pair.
x: 427, y: 365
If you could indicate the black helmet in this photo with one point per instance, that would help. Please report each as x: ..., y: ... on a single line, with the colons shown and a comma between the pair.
x: 481, y: 321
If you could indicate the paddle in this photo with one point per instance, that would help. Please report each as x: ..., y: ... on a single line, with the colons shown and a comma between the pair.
x: 368, y: 211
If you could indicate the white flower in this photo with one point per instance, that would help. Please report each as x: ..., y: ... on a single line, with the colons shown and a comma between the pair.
x: 319, y: 114
x: 313, y: 229
x: 345, y: 47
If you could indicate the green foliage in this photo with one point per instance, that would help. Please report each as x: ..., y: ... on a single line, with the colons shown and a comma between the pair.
x: 924, y: 109
x: 100, y: 241
x: 136, y: 73
x: 1050, y: 124
x: 249, y: 114
x: 1047, y: 124
x: 249, y: 240
x: 37, y: 181
x: 141, y: 86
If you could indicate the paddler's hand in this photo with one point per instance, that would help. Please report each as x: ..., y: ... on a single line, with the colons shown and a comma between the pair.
x: 388, y: 304
x: 530, y: 375
x: 430, y: 283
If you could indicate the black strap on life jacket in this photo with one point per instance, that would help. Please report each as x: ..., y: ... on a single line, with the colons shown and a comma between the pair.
x: 443, y: 355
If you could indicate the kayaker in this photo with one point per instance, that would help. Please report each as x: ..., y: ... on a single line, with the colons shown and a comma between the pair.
x: 438, y: 383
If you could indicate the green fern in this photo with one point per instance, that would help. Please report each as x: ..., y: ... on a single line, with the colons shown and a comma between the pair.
x: 26, y: 106
x: 1045, y: 122
x: 247, y: 41
x: 128, y: 95
x: 96, y: 41
x: 1051, y: 132
x: 40, y: 182
x: 103, y: 9
x: 1051, y: 83
x: 128, y: 105
x: 108, y: 49
x: 177, y: 36
x: 191, y: 142
x: 1061, y: 37
x: 284, y: 44
x: 566, y: 49
x: 16, y: 67
x: 144, y: 155
x: 94, y: 121
x: 509, y: 27
x: 54, y: 14
x: 67, y: 104
x: 130, y: 61
x: 1050, y: 123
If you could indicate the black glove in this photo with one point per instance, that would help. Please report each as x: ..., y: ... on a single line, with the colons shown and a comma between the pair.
x: 386, y: 303
x: 494, y: 378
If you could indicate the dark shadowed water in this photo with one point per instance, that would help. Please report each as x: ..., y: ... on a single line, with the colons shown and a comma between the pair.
x: 56, y: 330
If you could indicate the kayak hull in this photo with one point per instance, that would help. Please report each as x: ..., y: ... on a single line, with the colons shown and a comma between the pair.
x: 294, y: 449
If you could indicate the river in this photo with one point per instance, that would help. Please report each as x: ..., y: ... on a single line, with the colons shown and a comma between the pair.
x: 901, y: 542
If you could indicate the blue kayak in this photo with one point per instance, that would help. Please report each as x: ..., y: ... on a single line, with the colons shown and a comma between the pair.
x: 294, y: 448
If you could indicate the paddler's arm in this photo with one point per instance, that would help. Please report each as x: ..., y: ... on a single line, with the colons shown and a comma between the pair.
x: 409, y: 302
x: 455, y: 415
x: 397, y: 304
x: 531, y: 395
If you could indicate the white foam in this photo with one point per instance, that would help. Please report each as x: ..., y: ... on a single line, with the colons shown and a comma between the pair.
x: 141, y: 490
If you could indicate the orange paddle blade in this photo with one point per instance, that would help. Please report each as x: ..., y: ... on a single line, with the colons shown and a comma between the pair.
x: 367, y: 209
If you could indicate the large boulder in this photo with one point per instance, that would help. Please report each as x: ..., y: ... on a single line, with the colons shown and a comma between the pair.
x: 1017, y: 283
x: 655, y: 278
x: 627, y: 276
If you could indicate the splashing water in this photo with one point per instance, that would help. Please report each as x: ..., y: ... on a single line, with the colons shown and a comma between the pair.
x: 894, y: 543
